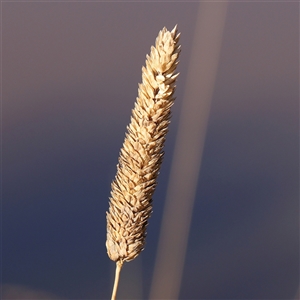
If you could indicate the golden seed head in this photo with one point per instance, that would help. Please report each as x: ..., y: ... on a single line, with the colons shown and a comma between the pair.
x: 141, y: 155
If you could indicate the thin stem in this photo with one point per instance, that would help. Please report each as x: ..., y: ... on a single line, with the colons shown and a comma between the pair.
x: 119, y: 265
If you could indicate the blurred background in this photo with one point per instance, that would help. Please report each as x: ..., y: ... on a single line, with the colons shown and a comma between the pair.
x: 70, y: 73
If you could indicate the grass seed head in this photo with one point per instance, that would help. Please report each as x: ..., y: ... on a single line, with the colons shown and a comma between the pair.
x: 141, y: 155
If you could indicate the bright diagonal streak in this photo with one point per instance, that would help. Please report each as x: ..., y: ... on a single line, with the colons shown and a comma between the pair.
x: 188, y: 151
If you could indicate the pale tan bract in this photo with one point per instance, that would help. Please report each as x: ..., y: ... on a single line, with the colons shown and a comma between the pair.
x: 141, y: 155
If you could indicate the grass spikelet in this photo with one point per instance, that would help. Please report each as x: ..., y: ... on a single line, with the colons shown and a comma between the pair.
x: 141, y: 155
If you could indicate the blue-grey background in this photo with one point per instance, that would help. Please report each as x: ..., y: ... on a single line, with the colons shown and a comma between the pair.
x: 69, y: 80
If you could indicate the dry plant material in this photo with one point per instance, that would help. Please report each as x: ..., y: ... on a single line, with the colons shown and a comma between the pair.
x: 141, y: 155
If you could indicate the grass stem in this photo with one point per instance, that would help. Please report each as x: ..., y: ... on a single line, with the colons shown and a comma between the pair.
x: 119, y: 265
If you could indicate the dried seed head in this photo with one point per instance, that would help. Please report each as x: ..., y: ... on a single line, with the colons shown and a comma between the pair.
x: 141, y: 155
